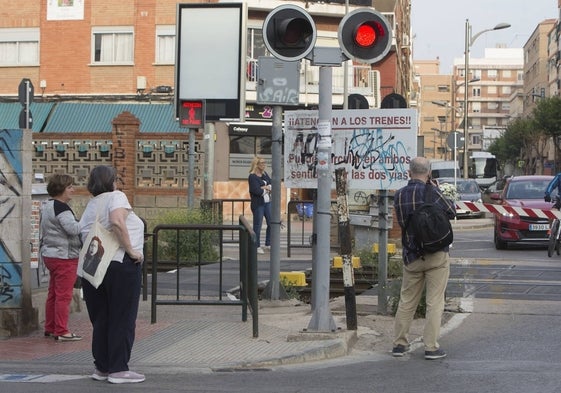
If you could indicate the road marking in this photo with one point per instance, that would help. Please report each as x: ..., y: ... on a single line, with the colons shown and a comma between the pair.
x: 39, y: 378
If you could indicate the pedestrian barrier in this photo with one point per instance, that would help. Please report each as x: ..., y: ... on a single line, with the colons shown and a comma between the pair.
x: 180, y: 240
x: 503, y: 210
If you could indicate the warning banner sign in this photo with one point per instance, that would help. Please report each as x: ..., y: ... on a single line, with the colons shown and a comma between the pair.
x: 375, y: 147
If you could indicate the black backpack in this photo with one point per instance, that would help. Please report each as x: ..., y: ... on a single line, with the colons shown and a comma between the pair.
x: 429, y: 225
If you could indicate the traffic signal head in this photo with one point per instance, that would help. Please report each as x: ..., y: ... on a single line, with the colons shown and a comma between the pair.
x: 365, y: 35
x: 289, y: 33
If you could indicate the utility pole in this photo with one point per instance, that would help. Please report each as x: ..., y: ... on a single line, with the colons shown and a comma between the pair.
x: 322, y: 320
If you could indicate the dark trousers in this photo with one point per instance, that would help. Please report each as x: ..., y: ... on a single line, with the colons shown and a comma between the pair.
x: 112, y: 309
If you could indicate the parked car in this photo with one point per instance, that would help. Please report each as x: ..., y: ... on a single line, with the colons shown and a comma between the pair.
x: 526, y: 192
x: 493, y: 193
x: 468, y: 191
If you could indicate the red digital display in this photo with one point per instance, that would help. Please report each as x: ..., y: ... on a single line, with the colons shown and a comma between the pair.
x: 191, y: 114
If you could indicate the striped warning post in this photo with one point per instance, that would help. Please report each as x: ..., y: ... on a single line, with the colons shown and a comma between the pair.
x: 503, y: 210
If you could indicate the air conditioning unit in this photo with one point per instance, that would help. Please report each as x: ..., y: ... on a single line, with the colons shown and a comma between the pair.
x: 374, y: 83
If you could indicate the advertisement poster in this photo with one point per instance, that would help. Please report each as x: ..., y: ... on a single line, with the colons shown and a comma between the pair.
x: 65, y: 9
x: 374, y: 145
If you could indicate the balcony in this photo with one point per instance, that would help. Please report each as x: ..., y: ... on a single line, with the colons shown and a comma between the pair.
x: 361, y: 79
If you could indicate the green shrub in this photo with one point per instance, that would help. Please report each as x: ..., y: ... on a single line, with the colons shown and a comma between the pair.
x: 395, y: 274
x: 369, y: 259
x: 190, y: 247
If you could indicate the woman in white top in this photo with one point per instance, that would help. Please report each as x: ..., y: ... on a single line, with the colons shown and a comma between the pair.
x: 113, y: 306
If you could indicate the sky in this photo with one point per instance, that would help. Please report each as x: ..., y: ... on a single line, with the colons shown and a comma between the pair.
x: 439, y: 26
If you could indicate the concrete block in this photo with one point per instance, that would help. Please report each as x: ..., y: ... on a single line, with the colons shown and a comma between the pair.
x: 297, y: 279
x: 338, y: 262
x: 392, y: 249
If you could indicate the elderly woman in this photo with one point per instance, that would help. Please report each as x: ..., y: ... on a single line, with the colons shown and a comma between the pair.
x: 60, y: 247
x: 113, y: 306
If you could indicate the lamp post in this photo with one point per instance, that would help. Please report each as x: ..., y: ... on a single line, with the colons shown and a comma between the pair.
x: 469, y: 40
x: 456, y: 109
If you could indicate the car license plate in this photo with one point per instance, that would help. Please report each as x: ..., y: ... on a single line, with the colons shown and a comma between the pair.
x: 539, y: 227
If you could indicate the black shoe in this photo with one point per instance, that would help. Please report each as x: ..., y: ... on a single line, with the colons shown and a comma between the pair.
x: 432, y: 355
x: 399, y: 350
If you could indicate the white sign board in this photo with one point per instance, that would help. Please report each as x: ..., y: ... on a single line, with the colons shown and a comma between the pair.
x: 375, y: 147
x: 208, y: 37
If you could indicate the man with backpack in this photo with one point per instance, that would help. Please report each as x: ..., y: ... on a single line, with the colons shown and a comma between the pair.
x: 425, y: 260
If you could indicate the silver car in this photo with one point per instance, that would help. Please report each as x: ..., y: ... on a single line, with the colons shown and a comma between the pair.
x: 468, y: 191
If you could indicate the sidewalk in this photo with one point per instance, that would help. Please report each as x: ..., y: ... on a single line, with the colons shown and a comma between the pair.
x: 207, y: 338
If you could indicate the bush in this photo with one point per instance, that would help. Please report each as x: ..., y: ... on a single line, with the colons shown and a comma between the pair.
x: 370, y: 259
x: 395, y: 274
x: 190, y: 247
x: 395, y: 295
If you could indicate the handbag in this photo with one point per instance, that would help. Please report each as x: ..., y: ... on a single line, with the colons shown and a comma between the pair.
x: 97, y: 251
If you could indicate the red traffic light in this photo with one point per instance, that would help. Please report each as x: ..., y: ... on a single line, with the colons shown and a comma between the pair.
x: 289, y: 32
x: 365, y: 35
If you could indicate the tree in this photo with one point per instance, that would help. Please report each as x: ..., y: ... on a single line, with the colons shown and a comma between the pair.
x: 516, y: 143
x: 547, y: 117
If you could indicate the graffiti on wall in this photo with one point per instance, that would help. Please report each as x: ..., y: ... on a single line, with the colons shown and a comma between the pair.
x: 11, y: 173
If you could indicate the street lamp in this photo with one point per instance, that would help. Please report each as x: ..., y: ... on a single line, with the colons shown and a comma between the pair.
x: 469, y: 40
x: 456, y: 109
x: 440, y: 132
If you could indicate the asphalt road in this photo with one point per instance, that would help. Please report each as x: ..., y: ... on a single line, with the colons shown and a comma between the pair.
x: 505, y: 340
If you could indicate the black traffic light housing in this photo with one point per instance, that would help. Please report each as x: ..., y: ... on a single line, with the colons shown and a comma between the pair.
x: 289, y: 32
x: 365, y: 35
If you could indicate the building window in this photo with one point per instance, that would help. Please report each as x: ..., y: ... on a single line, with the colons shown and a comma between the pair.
x: 492, y: 105
x: 253, y: 145
x: 506, y: 90
x: 476, y: 91
x: 255, y: 44
x: 477, y: 73
x: 507, y: 74
x: 476, y: 107
x: 165, y: 44
x: 443, y: 88
x: 476, y: 140
x: 113, y: 45
x: 19, y: 47
x: 255, y: 48
x: 492, y: 73
x: 492, y: 89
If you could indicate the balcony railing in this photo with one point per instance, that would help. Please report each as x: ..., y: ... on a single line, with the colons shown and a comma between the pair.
x: 361, y: 79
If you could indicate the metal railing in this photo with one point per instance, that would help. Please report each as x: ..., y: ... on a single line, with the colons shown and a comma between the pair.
x: 304, y: 237
x: 202, y: 239
x: 298, y: 234
x: 226, y: 211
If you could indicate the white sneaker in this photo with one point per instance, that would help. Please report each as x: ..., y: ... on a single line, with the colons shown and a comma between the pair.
x: 126, y: 377
x: 260, y: 250
x: 266, y: 248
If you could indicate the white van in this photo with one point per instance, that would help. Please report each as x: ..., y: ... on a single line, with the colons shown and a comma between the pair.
x: 444, y: 169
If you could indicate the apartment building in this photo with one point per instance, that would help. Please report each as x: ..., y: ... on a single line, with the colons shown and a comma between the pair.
x: 536, y: 65
x: 437, y: 114
x: 91, y: 61
x: 494, y: 83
